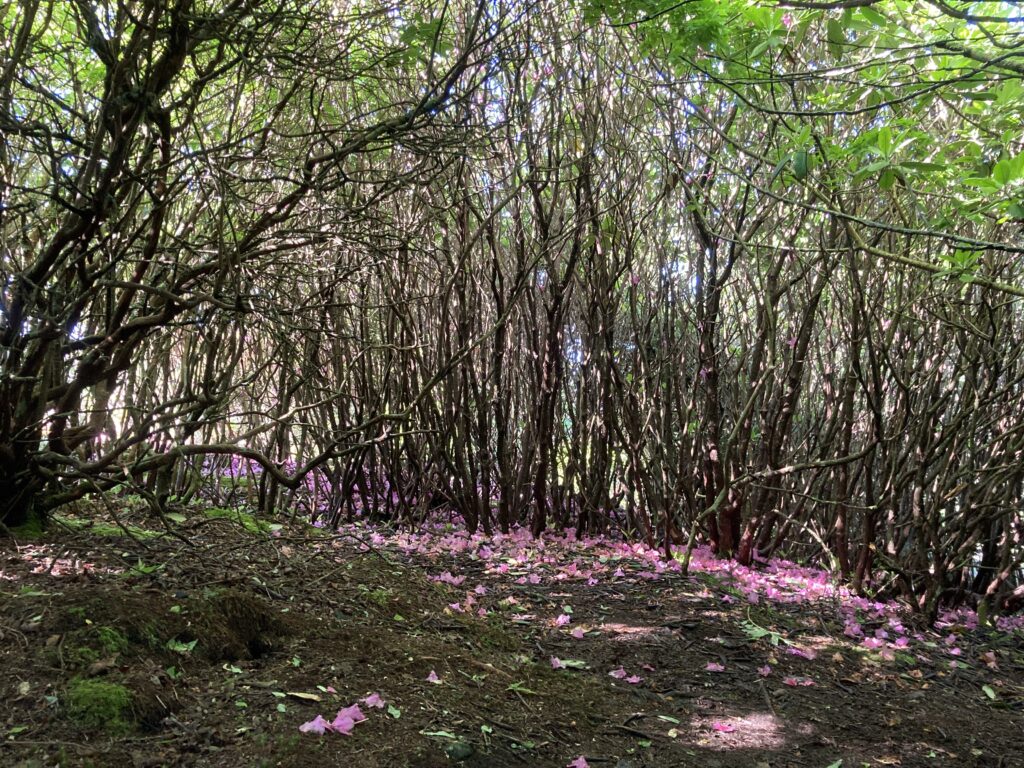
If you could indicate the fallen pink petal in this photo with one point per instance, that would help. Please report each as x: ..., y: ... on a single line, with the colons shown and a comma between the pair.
x: 317, y: 725
x: 352, y: 713
x: 723, y: 727
x: 714, y: 666
x: 798, y: 681
x: 342, y: 725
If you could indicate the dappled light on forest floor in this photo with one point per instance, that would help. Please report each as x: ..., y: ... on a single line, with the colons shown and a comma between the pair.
x: 753, y: 730
x: 53, y: 561
x: 626, y: 632
x: 382, y: 649
x: 886, y: 627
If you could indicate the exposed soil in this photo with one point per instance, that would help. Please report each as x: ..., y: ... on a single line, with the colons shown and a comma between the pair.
x: 228, y: 641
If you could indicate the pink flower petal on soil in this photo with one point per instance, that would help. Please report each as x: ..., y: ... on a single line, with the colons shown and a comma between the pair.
x: 352, y: 713
x: 562, y: 620
x: 633, y: 679
x: 342, y: 725
x: 795, y: 681
x: 433, y: 678
x: 579, y: 762
x: 618, y: 674
x: 793, y: 651
x: 317, y: 725
x: 764, y: 671
x: 723, y: 727
x: 556, y: 663
x: 714, y: 667
x: 374, y: 700
x: 577, y: 633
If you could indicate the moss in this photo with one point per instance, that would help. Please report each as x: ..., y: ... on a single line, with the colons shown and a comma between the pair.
x: 244, y: 519
x: 100, y: 705
x: 77, y: 612
x: 148, y: 633
x: 380, y: 596
x: 32, y: 529
x: 83, y: 655
x: 111, y: 640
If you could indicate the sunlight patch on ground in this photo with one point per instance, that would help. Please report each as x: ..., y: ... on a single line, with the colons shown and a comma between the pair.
x: 754, y: 730
x: 627, y: 631
x: 44, y: 561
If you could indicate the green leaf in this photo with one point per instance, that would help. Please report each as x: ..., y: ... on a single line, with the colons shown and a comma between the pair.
x: 179, y: 647
x: 875, y: 166
x: 981, y: 183
x: 989, y: 692
x: 574, y: 663
x: 837, y: 764
x: 777, y: 171
x: 800, y: 164
x: 836, y: 35
x: 394, y: 711
x: 1002, y: 173
x: 884, y: 140
x: 877, y: 19
x: 29, y: 592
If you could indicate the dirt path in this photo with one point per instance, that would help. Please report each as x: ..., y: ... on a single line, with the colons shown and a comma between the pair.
x: 480, y: 653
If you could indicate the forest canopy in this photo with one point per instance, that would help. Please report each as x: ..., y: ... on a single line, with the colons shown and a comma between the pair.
x: 734, y: 273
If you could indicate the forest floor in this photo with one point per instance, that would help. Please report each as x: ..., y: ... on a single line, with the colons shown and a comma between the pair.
x: 214, y: 646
